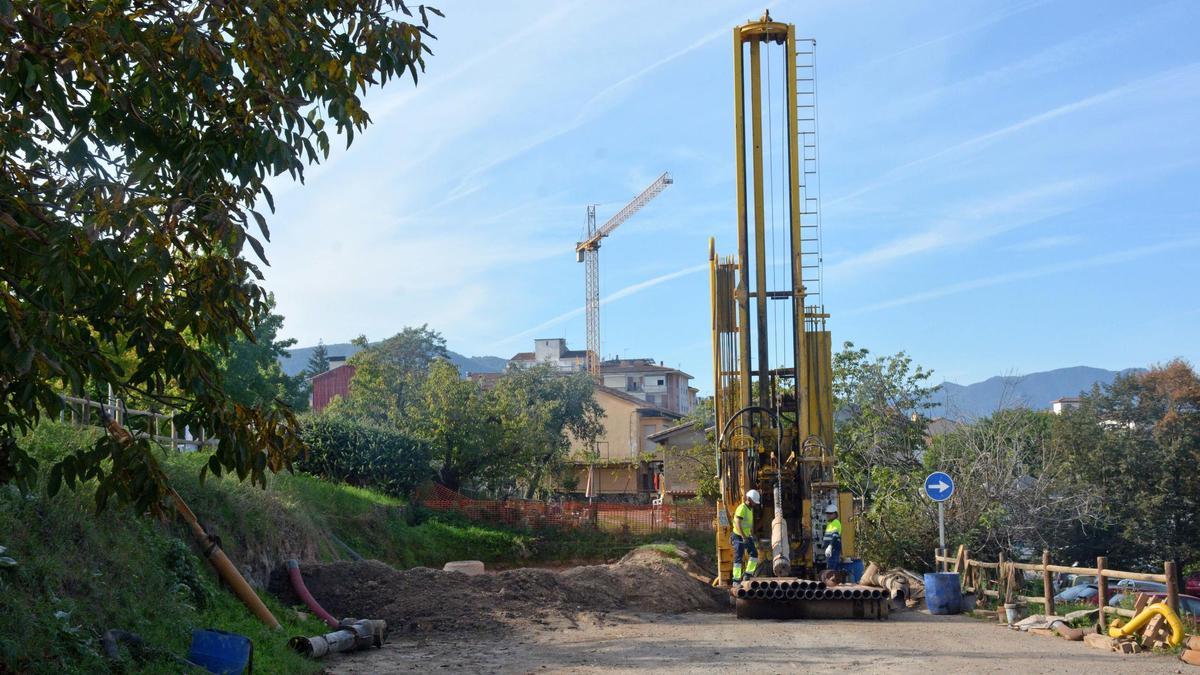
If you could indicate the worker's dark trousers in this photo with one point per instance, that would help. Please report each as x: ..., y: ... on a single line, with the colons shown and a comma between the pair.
x: 741, y: 545
x: 834, y: 562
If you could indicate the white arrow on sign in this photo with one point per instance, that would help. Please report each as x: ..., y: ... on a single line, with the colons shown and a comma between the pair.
x: 940, y: 486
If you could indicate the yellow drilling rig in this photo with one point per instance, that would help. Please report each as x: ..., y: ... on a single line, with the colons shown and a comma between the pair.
x: 772, y: 355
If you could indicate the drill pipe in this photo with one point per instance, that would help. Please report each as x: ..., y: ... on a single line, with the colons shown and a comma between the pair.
x: 856, y: 594
x: 778, y: 594
x: 772, y: 585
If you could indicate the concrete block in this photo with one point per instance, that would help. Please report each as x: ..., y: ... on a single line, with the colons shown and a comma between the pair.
x: 1191, y: 656
x: 1099, y: 641
x: 1192, y: 643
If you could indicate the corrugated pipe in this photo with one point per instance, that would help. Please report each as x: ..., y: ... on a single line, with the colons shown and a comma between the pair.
x: 293, y: 567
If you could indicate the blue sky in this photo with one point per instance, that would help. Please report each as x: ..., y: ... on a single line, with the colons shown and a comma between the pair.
x: 1007, y: 187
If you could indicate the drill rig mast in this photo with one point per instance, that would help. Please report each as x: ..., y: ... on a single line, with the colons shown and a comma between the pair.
x: 774, y: 416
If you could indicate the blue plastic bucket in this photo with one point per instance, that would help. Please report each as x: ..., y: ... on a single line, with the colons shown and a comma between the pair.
x: 854, y: 569
x: 220, y: 652
x: 943, y: 593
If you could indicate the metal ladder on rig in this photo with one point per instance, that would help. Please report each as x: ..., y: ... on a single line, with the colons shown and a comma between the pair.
x: 807, y: 128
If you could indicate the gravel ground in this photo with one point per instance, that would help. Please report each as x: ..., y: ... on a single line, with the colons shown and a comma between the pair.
x: 909, y: 642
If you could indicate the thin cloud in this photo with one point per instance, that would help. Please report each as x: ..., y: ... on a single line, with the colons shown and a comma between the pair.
x: 603, y: 100
x: 1043, y: 243
x: 625, y: 292
x: 1034, y: 273
x: 983, y: 140
x: 974, y: 222
x: 989, y: 21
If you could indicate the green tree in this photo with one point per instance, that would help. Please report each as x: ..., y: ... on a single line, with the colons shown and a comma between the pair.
x: 318, y: 361
x: 878, y: 405
x: 1137, y: 443
x: 388, y: 373
x: 136, y: 140
x: 251, y: 370
x: 457, y: 419
x: 542, y: 410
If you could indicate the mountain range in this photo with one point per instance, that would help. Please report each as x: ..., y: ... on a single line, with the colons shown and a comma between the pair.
x: 954, y: 401
x: 1035, y: 390
x: 466, y: 364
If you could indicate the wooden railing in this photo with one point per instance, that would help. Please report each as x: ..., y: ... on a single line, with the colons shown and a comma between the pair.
x: 975, y: 576
x: 79, y: 411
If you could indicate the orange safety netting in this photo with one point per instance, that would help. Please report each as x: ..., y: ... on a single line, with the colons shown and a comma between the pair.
x: 609, y: 517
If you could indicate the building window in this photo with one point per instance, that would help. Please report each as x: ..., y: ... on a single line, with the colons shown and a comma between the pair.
x: 661, y: 382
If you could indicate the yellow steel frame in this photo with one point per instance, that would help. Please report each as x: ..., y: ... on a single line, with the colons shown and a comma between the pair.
x: 737, y: 367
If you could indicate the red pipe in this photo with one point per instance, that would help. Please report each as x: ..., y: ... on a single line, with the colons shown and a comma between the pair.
x: 293, y: 567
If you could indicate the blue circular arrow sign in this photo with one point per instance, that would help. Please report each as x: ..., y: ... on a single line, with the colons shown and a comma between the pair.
x: 939, y: 486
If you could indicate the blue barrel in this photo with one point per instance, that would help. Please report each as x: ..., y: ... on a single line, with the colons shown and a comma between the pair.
x: 943, y: 593
x: 220, y: 652
x: 854, y: 569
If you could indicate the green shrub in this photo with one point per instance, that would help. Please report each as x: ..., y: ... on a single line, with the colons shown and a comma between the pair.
x: 363, y: 454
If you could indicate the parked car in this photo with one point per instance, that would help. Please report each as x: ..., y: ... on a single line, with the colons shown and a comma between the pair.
x: 1132, y: 587
x: 1192, y: 584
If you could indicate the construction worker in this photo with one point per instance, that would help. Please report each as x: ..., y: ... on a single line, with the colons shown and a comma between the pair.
x: 743, y: 536
x: 833, y: 538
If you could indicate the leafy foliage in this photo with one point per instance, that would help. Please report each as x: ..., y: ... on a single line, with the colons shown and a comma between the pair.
x: 542, y: 410
x: 136, y: 141
x: 875, y: 400
x: 251, y: 370
x: 363, y: 454
x: 387, y: 374
x: 1137, y: 443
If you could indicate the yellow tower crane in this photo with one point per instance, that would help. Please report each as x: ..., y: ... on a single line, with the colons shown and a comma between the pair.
x: 588, y: 252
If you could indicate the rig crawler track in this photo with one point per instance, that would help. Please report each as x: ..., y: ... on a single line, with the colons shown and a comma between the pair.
x: 788, y: 598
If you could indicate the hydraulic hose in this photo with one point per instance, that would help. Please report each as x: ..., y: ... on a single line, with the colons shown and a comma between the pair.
x: 293, y: 567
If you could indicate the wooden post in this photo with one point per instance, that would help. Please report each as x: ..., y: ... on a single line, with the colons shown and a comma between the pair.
x: 1102, y: 589
x: 1000, y: 579
x: 173, y: 445
x: 1047, y: 584
x: 1172, y: 586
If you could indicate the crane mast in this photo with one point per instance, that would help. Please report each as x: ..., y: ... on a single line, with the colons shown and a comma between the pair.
x: 588, y: 252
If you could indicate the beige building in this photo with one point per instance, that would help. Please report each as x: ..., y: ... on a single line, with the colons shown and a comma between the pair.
x: 652, y: 382
x: 624, y: 466
x: 674, y: 459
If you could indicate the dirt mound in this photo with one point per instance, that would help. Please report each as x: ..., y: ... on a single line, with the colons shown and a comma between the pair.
x: 651, y: 579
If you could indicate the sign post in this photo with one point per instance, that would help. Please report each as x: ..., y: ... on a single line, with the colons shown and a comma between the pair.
x: 938, y: 487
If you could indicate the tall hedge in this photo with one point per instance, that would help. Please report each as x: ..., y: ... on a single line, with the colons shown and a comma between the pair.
x: 363, y: 454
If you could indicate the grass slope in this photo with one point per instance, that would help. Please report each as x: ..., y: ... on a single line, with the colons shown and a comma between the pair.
x: 79, y: 574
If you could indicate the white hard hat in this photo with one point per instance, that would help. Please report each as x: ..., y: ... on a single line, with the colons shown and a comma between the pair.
x: 754, y: 496
x: 832, y: 508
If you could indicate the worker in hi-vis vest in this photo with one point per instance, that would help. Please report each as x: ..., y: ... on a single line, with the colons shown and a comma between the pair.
x: 833, y: 538
x: 743, y: 536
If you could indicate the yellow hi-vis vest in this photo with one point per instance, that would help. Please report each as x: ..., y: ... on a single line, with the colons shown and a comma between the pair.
x: 834, y: 526
x: 747, y: 515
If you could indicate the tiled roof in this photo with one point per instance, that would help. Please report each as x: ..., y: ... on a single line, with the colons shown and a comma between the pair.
x: 642, y: 405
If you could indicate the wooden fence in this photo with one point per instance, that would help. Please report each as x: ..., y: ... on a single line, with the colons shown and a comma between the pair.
x: 163, y: 429
x: 1001, y: 579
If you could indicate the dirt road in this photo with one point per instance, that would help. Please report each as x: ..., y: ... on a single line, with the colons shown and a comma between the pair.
x: 909, y: 642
